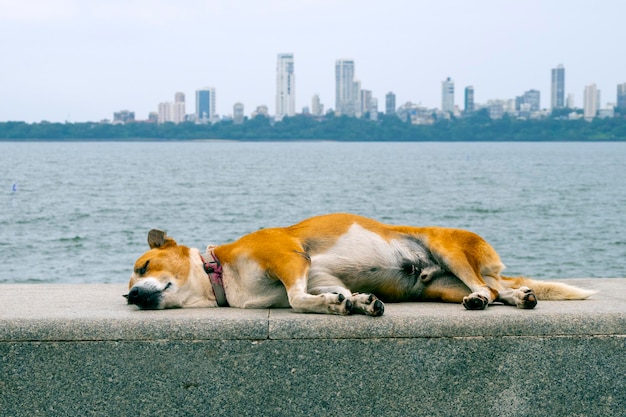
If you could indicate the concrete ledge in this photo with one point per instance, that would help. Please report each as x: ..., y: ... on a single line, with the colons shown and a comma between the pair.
x: 79, y: 349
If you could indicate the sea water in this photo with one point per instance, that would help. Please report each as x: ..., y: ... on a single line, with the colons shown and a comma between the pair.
x: 80, y: 212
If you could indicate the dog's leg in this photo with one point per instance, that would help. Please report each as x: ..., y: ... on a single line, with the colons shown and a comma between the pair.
x: 368, y: 304
x: 478, y: 279
x: 522, y: 297
x: 469, y: 257
x: 447, y: 288
x: 480, y: 299
x: 293, y: 271
x: 325, y: 302
x: 481, y: 294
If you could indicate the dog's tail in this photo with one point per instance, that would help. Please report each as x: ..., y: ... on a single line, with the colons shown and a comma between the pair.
x: 548, y: 290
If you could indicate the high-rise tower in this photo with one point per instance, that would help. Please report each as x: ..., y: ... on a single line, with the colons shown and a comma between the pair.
x: 591, y: 101
x: 447, y: 95
x: 390, y: 103
x: 346, y: 88
x: 469, y: 99
x: 317, y: 108
x: 621, y: 98
x: 557, y: 100
x: 205, y: 104
x: 238, y: 113
x: 285, y: 86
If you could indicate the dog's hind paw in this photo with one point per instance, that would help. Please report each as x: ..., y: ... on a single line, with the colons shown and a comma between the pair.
x: 475, y: 301
x: 367, y: 304
x: 525, y: 298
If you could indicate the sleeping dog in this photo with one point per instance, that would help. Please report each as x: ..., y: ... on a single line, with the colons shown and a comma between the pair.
x: 337, y: 264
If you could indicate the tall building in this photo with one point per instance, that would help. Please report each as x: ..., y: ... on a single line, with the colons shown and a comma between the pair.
x: 356, y: 86
x: 317, y: 108
x: 205, y: 104
x: 533, y: 99
x: 179, y: 108
x: 447, y: 95
x: 346, y: 88
x: 469, y: 99
x: 366, y: 98
x: 172, y: 112
x: 571, y: 101
x: 557, y: 98
x: 621, y: 98
x: 390, y: 104
x: 285, y: 86
x: 591, y: 101
x: 238, y: 113
x: 373, y: 108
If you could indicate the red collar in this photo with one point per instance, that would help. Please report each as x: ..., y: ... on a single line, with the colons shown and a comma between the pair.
x: 215, y: 272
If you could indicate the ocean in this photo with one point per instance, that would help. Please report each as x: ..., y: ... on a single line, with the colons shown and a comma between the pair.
x: 79, y: 212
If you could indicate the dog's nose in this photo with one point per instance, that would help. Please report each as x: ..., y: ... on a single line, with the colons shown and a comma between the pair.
x: 133, y: 295
x: 147, y: 299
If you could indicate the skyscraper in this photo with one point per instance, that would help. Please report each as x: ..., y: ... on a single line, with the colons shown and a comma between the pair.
x: 317, y: 108
x: 621, y: 98
x: 238, y: 113
x: 591, y: 101
x: 447, y: 95
x: 366, y: 98
x: 557, y: 99
x: 346, y: 90
x: 373, y: 108
x: 285, y: 86
x: 205, y: 104
x: 390, y: 103
x: 469, y: 99
x: 179, y: 111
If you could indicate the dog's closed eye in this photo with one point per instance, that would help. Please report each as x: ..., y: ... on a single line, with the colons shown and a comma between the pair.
x: 143, y: 269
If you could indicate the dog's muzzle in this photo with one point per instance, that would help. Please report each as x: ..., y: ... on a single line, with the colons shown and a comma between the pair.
x: 146, y: 298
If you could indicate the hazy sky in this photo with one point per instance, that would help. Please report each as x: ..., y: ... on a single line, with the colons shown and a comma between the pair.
x: 81, y: 60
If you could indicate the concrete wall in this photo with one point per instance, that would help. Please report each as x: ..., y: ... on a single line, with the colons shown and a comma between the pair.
x: 80, y: 350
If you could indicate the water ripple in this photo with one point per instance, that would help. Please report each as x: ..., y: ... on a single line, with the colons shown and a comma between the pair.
x: 82, y: 211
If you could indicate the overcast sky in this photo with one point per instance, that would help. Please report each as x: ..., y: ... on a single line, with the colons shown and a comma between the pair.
x: 82, y: 60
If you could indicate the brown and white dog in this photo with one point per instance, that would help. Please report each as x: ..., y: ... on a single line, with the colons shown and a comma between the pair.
x: 338, y: 264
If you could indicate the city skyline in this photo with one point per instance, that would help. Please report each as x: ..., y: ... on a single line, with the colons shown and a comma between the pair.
x: 354, y: 101
x: 76, y: 61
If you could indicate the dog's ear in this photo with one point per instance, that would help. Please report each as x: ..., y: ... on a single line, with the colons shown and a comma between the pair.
x: 158, y: 239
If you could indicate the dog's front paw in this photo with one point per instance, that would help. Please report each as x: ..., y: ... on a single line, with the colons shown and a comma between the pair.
x: 340, y: 305
x: 367, y: 304
x: 475, y: 301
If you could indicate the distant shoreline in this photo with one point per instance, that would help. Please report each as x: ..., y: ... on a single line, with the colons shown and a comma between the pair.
x: 476, y: 128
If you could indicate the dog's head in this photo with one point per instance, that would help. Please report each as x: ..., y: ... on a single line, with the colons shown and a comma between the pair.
x: 168, y: 275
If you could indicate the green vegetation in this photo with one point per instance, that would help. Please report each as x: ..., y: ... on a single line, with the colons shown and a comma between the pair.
x: 478, y: 127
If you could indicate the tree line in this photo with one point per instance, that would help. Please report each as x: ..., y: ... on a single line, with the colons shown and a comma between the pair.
x: 477, y: 127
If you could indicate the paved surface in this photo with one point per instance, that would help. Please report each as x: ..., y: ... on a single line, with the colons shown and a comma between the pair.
x: 99, y: 312
x: 81, y: 350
